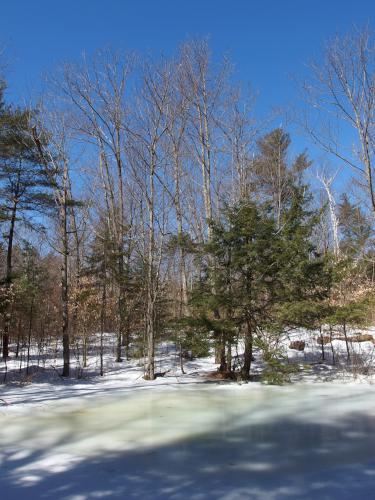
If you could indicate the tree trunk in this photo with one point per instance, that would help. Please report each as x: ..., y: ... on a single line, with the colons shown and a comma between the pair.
x: 346, y: 340
x: 84, y: 349
x: 29, y: 336
x: 229, y: 356
x: 8, y: 281
x: 150, y: 313
x: 64, y: 278
x: 121, y: 229
x: 222, y: 357
x: 74, y: 230
x: 18, y: 338
x: 321, y: 342
x: 121, y: 304
x: 248, y: 354
x: 103, y: 309
x: 332, y: 349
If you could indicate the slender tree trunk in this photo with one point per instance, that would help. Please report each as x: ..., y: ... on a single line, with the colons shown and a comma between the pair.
x: 75, y: 327
x: 64, y: 278
x: 181, y: 356
x: 229, y: 356
x: 332, y: 349
x: 61, y: 198
x: 321, y: 342
x: 150, y: 313
x: 126, y: 337
x: 121, y: 250
x: 346, y: 340
x: 18, y: 338
x: 183, y: 298
x: 222, y: 355
x: 327, y: 183
x: 8, y: 280
x: 248, y: 354
x: 84, y: 349
x: 31, y: 314
x: 103, y: 309
x: 120, y: 305
x: 204, y: 136
x: 182, y: 257
x: 205, y: 161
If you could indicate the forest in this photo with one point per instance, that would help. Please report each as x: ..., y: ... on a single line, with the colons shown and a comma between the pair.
x: 143, y: 198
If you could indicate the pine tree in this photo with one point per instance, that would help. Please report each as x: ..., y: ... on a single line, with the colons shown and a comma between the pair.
x: 24, y: 187
x: 261, y: 276
x: 276, y: 175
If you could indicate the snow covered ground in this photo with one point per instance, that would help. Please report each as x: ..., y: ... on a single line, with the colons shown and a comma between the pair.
x: 186, y: 436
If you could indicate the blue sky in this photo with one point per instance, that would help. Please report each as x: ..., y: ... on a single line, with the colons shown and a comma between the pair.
x: 269, y: 41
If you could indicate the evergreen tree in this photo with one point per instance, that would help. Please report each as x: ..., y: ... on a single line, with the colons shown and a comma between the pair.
x: 24, y: 187
x: 261, y: 276
x: 276, y: 175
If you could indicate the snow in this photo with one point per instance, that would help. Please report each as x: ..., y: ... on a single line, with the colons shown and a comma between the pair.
x: 186, y: 436
x: 188, y: 441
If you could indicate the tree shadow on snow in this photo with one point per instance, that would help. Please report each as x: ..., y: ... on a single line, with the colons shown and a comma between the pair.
x: 283, y: 459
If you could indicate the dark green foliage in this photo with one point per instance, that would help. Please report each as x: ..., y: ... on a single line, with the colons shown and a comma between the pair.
x: 276, y: 177
x: 277, y: 370
x: 259, y: 278
x: 179, y: 241
x: 192, y: 335
x: 31, y: 278
x: 24, y: 185
x: 24, y: 189
x: 354, y: 313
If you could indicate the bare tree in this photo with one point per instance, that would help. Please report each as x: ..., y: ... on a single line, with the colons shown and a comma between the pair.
x: 177, y: 123
x: 240, y: 132
x: 98, y: 91
x: 204, y: 89
x: 55, y: 158
x: 341, y: 93
x: 327, y: 185
x: 147, y: 155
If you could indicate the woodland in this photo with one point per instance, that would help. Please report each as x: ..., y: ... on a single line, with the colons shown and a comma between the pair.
x: 144, y: 198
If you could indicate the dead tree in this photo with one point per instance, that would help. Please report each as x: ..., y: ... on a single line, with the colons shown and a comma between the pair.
x: 327, y: 185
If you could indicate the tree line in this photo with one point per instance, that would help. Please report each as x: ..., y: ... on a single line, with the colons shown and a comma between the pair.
x: 143, y: 197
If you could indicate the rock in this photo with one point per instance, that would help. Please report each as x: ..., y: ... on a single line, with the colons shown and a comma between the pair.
x: 298, y: 345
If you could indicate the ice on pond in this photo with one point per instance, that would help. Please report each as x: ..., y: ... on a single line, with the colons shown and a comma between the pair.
x: 227, y: 442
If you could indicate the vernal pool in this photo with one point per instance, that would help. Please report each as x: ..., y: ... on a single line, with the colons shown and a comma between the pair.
x: 202, y: 441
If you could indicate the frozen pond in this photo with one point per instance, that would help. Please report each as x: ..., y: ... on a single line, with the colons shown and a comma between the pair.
x: 195, y: 442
